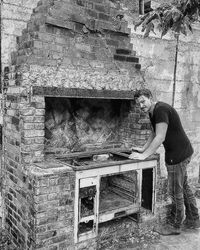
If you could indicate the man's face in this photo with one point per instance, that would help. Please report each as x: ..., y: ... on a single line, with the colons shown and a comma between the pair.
x: 145, y: 103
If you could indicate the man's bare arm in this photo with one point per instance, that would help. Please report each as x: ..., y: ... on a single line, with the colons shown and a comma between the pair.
x: 149, y: 141
x: 161, y: 130
x: 146, y: 145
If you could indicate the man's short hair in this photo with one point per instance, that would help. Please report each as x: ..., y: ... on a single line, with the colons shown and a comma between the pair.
x: 145, y: 92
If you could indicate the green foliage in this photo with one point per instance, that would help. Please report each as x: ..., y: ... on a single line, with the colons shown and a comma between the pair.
x: 177, y: 16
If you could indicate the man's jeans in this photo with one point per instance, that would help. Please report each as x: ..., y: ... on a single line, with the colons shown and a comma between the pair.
x: 181, y: 194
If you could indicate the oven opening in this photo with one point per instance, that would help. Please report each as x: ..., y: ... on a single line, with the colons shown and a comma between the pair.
x: 87, y: 195
x: 86, y: 209
x: 147, y: 188
x: 118, y: 195
x: 85, y: 227
x: 87, y: 206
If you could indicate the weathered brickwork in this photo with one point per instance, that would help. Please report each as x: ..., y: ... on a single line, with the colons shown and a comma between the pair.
x: 19, y: 206
x: 66, y: 44
x: 62, y: 48
x: 136, y: 127
x: 60, y: 41
x: 23, y: 140
x: 40, y: 208
x: 54, y: 208
x: 49, y: 54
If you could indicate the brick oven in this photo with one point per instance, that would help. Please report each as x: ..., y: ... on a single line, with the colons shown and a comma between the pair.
x: 70, y: 120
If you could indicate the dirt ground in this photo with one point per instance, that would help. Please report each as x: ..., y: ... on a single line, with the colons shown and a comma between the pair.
x: 188, y: 240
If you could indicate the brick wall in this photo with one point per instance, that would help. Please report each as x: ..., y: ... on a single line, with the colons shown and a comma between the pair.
x: 60, y: 48
x: 19, y: 186
x: 14, y: 17
x: 19, y: 208
x: 135, y: 128
x: 78, y: 44
x: 39, y: 207
x: 66, y: 44
x: 55, y: 48
x: 54, y: 207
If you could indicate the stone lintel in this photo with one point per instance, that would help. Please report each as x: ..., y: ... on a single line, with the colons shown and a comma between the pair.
x: 82, y: 93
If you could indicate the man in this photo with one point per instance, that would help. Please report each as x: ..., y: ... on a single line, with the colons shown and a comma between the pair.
x: 167, y: 130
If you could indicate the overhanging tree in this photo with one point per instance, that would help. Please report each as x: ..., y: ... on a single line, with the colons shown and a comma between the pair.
x: 177, y: 17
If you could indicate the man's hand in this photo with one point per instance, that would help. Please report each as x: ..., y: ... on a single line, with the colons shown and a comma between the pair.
x: 138, y: 149
x: 137, y: 156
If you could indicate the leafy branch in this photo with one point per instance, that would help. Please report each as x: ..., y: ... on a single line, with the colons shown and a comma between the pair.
x: 176, y: 16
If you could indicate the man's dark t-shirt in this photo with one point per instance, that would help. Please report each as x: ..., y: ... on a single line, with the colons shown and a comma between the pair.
x: 177, y: 145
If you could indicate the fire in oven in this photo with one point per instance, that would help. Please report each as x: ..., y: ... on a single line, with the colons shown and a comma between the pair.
x: 109, y: 186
